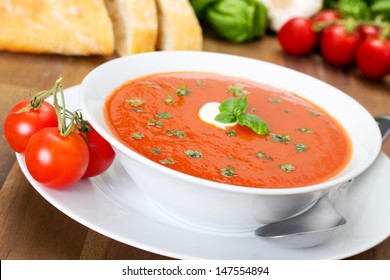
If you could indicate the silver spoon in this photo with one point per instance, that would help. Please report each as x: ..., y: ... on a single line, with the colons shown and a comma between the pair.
x: 318, y: 224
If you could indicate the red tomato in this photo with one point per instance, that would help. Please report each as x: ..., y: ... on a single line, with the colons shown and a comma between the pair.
x: 326, y: 15
x: 19, y: 127
x: 297, y: 36
x: 338, y: 46
x: 373, y: 58
x: 55, y: 161
x: 101, y: 154
x: 368, y: 31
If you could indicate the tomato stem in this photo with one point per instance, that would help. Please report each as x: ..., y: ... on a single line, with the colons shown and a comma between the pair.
x: 352, y: 24
x: 63, y: 114
x: 67, y: 120
x: 385, y: 32
x: 37, y: 100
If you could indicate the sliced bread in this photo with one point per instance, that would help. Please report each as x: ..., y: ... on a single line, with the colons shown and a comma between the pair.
x: 69, y: 27
x: 135, y: 25
x: 179, y: 28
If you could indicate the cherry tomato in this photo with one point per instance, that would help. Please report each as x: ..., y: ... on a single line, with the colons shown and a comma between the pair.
x: 368, y: 31
x: 339, y: 47
x: 19, y: 127
x: 56, y: 161
x: 373, y: 58
x: 101, y: 154
x: 326, y: 15
x: 297, y: 36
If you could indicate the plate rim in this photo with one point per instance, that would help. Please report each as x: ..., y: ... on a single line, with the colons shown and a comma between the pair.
x: 45, y: 193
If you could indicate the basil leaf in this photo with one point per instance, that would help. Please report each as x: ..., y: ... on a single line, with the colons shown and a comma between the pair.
x: 226, y: 117
x: 237, y: 106
x: 381, y: 8
x: 356, y: 9
x: 236, y: 21
x: 227, y: 105
x: 233, y: 109
x: 241, y: 104
x: 254, y: 123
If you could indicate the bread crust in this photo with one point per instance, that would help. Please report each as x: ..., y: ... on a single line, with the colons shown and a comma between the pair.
x: 69, y: 27
x: 135, y: 25
x: 179, y: 28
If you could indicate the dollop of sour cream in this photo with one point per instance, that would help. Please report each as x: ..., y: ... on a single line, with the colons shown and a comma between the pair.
x: 209, y: 111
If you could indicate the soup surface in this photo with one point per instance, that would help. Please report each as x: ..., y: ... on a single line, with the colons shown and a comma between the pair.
x: 158, y: 117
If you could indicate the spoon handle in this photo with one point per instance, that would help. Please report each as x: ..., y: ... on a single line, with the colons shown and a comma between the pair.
x: 384, y: 125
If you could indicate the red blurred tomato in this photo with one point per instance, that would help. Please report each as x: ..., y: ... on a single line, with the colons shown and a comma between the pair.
x: 326, y: 15
x: 19, y: 127
x: 373, y: 58
x: 101, y: 154
x: 56, y: 161
x: 368, y: 31
x: 297, y: 36
x: 339, y: 47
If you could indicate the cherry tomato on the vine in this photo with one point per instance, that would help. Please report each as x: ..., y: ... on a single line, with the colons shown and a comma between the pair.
x: 19, y: 127
x: 297, y: 36
x: 56, y: 161
x: 326, y: 16
x: 373, y: 58
x: 101, y: 154
x: 368, y: 31
x: 338, y: 46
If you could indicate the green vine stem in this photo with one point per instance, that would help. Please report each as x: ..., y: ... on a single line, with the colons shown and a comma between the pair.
x: 37, y: 100
x: 352, y: 24
x: 67, y: 120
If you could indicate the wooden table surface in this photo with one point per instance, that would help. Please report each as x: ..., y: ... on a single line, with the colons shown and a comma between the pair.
x: 31, y: 228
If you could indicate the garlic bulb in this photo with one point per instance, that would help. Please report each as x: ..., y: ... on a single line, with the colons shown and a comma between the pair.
x: 280, y: 11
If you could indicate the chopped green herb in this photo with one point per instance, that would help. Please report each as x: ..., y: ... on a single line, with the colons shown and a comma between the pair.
x: 287, y: 167
x: 169, y: 100
x: 178, y: 133
x: 228, y: 171
x: 263, y: 155
x: 315, y: 113
x: 156, y: 151
x: 135, y: 102
x: 153, y: 122
x: 300, y: 147
x: 233, y: 110
x: 137, y: 135
x: 182, y: 91
x: 231, y: 133
x: 164, y: 115
x: 138, y: 110
x: 275, y: 100
x: 193, y: 154
x: 287, y: 111
x: 231, y: 157
x: 304, y: 129
x: 200, y: 82
x: 150, y: 84
x: 280, y: 138
x: 237, y: 90
x: 167, y: 161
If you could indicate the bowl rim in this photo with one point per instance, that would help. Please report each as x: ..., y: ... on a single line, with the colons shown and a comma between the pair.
x: 118, y: 144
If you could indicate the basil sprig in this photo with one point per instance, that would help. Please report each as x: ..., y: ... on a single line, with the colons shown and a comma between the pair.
x: 233, y: 110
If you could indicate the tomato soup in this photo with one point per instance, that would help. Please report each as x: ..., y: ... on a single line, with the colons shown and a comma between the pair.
x: 158, y: 117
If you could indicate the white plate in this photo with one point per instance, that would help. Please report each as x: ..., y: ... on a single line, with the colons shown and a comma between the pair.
x: 112, y: 205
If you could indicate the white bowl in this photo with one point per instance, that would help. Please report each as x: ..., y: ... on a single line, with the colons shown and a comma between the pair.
x: 216, y: 206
